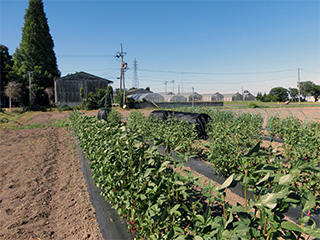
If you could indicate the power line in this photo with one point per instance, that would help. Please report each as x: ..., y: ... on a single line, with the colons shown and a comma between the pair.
x: 218, y: 73
x: 83, y: 56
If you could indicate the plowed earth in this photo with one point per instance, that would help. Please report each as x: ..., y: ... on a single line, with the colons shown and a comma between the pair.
x: 43, y: 194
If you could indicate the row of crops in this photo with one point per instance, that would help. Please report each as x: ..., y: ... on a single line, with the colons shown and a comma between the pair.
x: 160, y: 201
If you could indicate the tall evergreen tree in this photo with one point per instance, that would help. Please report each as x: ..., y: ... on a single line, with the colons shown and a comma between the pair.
x: 36, y: 54
x: 6, y: 64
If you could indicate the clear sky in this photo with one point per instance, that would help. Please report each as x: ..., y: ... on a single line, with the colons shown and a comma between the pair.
x: 211, y: 45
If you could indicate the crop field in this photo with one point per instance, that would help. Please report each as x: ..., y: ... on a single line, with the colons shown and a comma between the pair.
x: 273, y: 154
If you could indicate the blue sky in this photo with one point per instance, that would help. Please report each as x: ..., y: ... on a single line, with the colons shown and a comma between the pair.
x: 223, y: 46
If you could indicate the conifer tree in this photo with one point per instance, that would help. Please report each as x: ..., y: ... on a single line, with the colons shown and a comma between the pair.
x: 6, y: 64
x: 36, y: 54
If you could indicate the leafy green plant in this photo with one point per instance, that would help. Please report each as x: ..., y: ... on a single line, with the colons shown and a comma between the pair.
x: 161, y: 203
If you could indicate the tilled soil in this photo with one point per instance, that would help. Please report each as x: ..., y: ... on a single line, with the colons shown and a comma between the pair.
x: 43, y: 193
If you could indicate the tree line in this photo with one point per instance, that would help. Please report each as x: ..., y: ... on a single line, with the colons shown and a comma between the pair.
x: 28, y: 76
x: 280, y: 94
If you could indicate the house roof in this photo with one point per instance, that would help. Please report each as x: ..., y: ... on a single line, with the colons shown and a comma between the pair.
x: 82, y: 76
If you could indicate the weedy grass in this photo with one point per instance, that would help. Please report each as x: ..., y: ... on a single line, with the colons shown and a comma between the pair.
x: 16, y: 120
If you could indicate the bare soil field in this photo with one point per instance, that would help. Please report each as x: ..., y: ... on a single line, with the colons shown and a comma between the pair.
x: 43, y: 194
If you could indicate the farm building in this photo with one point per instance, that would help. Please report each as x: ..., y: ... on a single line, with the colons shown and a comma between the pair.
x: 67, y: 89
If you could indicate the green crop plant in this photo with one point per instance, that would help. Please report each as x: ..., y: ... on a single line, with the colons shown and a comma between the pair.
x: 159, y: 202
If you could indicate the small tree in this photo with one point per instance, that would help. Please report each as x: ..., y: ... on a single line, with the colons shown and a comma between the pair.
x: 259, y: 96
x: 306, y: 88
x: 108, y: 98
x: 49, y: 92
x: 82, y: 96
x: 278, y: 94
x: 13, y: 91
x: 293, y: 92
x: 315, y: 92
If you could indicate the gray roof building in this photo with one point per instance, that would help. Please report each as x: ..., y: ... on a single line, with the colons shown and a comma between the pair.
x: 67, y: 88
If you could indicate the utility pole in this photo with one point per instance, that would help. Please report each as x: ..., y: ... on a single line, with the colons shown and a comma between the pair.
x: 299, y: 86
x: 165, y: 86
x: 172, y: 86
x: 30, y: 88
x: 192, y: 96
x: 123, y: 67
x: 181, y: 83
x: 135, y: 82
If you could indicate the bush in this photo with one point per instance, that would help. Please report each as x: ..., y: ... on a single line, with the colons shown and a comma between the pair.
x: 65, y: 108
x: 114, y: 117
x: 253, y: 105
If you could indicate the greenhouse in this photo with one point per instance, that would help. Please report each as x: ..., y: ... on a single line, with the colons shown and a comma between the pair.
x: 151, y: 97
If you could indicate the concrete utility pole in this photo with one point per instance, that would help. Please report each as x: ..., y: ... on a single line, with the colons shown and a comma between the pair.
x: 123, y: 67
x: 30, y: 84
x: 192, y: 96
x: 299, y: 85
x: 181, y: 83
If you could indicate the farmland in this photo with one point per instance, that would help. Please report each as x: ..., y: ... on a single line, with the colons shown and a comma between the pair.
x: 160, y: 200
x: 187, y: 206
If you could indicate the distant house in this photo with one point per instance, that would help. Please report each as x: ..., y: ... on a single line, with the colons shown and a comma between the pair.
x: 67, y: 89
x: 310, y: 98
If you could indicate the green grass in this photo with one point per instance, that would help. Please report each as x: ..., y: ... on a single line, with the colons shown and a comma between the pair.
x: 16, y: 120
x: 247, y: 104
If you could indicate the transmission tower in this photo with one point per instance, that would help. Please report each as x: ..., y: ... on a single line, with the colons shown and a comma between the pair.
x: 135, y: 81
